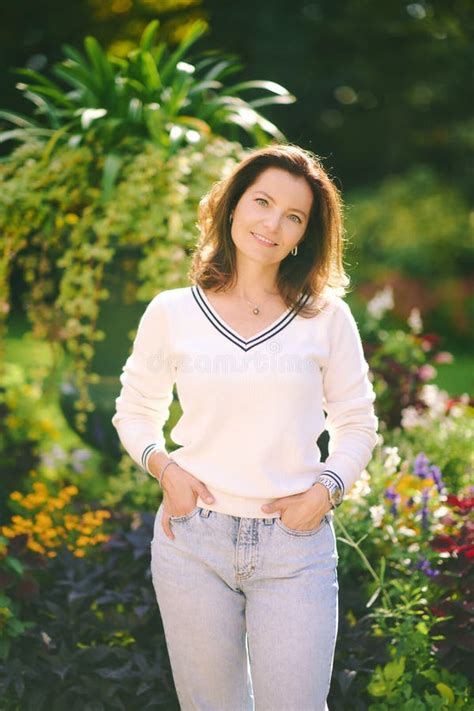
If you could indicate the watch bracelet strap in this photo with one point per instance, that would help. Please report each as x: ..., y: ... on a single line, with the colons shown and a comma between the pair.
x: 336, y: 478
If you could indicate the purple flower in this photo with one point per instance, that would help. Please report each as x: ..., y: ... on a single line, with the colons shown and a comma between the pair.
x: 392, y: 495
x: 436, y: 475
x: 424, y: 508
x: 421, y: 466
x: 424, y: 566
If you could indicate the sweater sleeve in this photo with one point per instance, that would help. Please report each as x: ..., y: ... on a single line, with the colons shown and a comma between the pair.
x: 348, y: 401
x: 142, y: 407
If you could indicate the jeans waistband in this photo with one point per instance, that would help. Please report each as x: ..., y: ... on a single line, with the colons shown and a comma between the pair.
x: 244, y: 506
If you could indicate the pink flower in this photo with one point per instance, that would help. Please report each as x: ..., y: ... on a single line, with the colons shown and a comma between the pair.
x: 443, y: 357
x: 426, y: 372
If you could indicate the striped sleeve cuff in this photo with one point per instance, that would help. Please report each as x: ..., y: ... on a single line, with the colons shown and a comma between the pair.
x: 147, y: 452
x: 335, y: 477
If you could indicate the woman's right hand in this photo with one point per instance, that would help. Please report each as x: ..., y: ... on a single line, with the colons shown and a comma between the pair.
x: 180, y: 492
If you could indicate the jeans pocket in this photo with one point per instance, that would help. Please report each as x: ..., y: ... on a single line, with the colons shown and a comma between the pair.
x: 294, y: 532
x: 185, y: 517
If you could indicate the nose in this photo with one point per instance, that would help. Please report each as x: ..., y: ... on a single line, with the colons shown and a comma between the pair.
x: 272, y: 221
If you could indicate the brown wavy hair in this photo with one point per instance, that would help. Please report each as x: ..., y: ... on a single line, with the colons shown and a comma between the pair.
x: 317, y: 266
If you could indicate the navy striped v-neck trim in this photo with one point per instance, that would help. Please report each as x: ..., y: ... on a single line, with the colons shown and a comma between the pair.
x: 231, y: 334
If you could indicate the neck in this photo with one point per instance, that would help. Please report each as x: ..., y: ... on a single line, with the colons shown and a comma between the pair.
x: 255, y: 283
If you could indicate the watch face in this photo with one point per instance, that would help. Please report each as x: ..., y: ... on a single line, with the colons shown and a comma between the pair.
x: 337, y: 496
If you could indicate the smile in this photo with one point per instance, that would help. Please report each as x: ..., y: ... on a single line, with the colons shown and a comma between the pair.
x: 263, y: 240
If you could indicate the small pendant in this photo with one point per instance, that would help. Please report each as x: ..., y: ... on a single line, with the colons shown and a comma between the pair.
x: 256, y: 311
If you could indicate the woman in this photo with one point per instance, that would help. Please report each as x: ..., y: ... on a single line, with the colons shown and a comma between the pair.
x: 244, y: 556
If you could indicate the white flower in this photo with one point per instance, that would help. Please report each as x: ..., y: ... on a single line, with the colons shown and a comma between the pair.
x: 406, y: 531
x: 414, y: 320
x: 392, y: 459
x: 361, y: 487
x: 441, y: 511
x: 382, y: 301
x: 435, y: 398
x: 377, y: 513
x: 411, y: 418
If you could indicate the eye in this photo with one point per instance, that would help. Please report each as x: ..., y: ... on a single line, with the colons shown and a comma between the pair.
x: 262, y: 200
x: 299, y: 220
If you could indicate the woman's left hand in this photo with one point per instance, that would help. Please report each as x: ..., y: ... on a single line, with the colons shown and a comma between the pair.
x: 304, y: 511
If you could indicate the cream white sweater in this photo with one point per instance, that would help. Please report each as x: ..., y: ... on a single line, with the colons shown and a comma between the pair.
x: 253, y: 408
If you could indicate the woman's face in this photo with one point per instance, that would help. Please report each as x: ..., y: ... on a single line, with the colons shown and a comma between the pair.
x: 272, y: 215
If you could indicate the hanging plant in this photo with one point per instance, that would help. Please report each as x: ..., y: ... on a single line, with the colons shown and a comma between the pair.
x: 116, y: 161
x: 64, y: 237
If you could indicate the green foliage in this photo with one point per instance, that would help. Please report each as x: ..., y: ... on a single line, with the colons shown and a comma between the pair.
x: 97, y: 641
x: 23, y: 429
x: 152, y: 94
x: 415, y: 224
x: 65, y: 237
x: 413, y: 678
x: 11, y: 627
x: 405, y: 573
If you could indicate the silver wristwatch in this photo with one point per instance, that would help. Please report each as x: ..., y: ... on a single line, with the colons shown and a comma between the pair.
x: 336, y: 493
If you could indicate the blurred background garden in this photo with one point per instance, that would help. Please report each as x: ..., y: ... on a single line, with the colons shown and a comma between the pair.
x: 116, y: 117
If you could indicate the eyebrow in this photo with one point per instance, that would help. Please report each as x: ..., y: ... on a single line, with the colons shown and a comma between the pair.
x: 293, y: 209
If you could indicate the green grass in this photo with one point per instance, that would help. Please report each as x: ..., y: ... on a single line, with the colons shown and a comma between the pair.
x: 457, y: 378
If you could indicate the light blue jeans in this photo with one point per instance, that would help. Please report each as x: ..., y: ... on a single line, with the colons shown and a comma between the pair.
x: 249, y: 610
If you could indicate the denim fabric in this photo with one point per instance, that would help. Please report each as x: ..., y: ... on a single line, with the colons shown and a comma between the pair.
x: 249, y: 609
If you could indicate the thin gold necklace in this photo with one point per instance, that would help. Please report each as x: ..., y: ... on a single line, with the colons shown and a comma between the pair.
x: 255, y: 309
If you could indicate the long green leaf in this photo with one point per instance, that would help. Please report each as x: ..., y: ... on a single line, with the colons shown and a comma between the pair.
x: 16, y: 118
x: 50, y: 146
x: 99, y: 61
x: 271, y: 100
x: 271, y: 86
x: 204, y: 86
x: 150, y: 74
x: 222, y: 69
x: 79, y: 77
x: 148, y: 36
x: 158, y: 52
x: 59, y: 96
x: 44, y: 106
x: 23, y: 134
x: 36, y: 76
x: 196, y: 30
x: 74, y: 54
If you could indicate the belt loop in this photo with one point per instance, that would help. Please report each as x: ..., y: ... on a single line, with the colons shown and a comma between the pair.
x: 268, y: 521
x: 205, y: 513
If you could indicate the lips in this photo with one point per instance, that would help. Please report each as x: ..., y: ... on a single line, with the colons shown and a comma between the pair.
x: 263, y: 240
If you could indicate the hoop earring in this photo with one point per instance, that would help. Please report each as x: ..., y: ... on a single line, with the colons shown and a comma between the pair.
x: 294, y: 251
x: 231, y: 217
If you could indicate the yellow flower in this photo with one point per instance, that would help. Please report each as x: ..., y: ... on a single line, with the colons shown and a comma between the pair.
x: 8, y: 532
x: 82, y: 541
x: 35, y: 546
x: 73, y: 490
x: 71, y: 218
x: 79, y: 553
x: 16, y: 496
